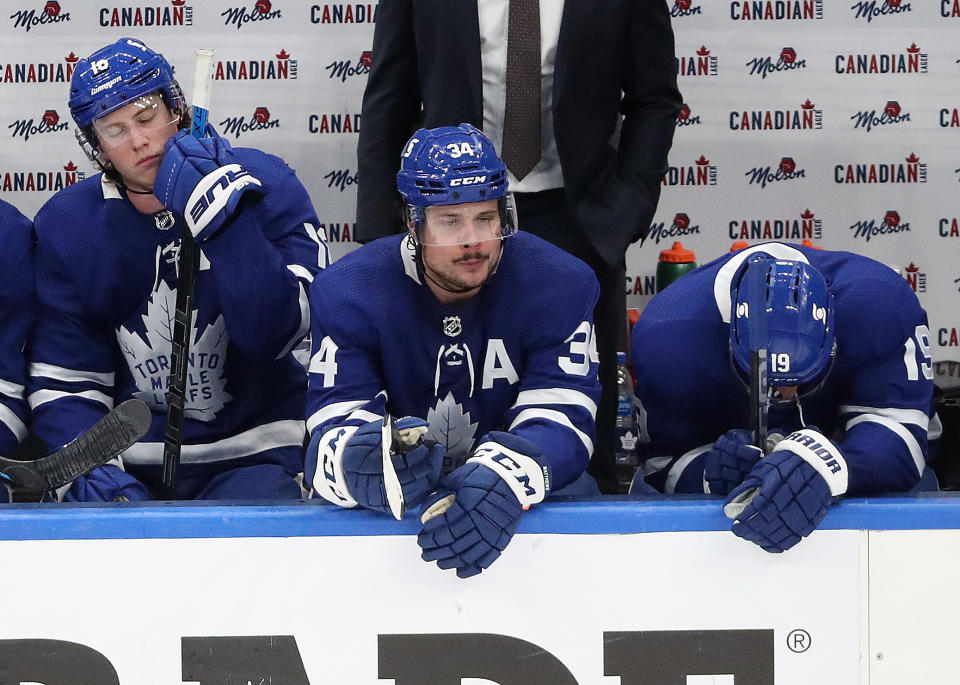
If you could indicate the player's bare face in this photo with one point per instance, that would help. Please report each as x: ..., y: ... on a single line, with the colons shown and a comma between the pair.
x: 132, y: 138
x: 461, y: 248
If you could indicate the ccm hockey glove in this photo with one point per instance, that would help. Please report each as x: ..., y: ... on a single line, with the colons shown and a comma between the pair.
x: 201, y: 179
x: 472, y: 518
x: 787, y: 494
x: 106, y: 483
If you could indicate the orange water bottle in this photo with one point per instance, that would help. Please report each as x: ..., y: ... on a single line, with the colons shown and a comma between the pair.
x: 673, y: 264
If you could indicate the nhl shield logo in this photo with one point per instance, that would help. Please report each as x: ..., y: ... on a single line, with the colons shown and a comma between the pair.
x: 164, y: 219
x: 452, y: 326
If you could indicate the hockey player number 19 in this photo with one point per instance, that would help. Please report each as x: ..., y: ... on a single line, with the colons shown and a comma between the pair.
x: 922, y: 336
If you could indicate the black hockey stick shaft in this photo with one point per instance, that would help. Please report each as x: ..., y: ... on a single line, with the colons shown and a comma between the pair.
x: 188, y: 263
x: 757, y: 328
x: 108, y: 437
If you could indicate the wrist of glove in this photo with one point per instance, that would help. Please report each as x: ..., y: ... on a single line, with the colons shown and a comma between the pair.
x: 787, y: 494
x: 349, y: 464
x: 202, y: 179
x: 106, y: 483
x: 471, y: 519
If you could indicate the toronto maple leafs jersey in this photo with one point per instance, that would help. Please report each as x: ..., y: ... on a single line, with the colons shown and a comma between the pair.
x: 519, y: 356
x: 106, y: 294
x: 876, y: 402
x: 16, y: 311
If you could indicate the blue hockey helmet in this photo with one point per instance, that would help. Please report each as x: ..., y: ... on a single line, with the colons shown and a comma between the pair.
x: 800, y: 336
x: 452, y: 165
x: 114, y: 76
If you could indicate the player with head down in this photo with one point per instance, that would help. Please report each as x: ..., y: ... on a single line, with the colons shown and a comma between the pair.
x: 849, y: 386
x: 478, y: 336
x: 107, y: 279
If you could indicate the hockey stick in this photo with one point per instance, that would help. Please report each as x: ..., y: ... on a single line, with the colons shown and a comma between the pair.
x: 759, y: 394
x: 188, y: 263
x: 390, y: 481
x: 108, y: 437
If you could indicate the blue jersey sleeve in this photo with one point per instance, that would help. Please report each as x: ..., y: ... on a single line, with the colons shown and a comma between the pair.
x: 16, y: 312
x: 264, y: 261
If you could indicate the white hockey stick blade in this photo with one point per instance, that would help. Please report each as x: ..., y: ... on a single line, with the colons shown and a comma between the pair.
x: 390, y: 481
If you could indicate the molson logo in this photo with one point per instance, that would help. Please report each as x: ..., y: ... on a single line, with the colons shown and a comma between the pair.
x: 703, y: 64
x: 238, y: 16
x: 39, y: 181
x: 891, y: 114
x: 685, y: 117
x: 915, y: 278
x: 776, y: 10
x: 281, y: 68
x: 681, y: 226
x: 806, y: 227
x: 910, y: 62
x: 786, y: 61
x: 807, y: 118
x: 259, y: 121
x: 684, y: 8
x: 50, y: 14
x: 871, y: 9
x: 339, y: 13
x: 913, y: 171
x: 891, y: 223
x: 700, y: 173
x: 786, y: 170
x: 39, y: 72
x: 341, y: 179
x: 343, y: 68
x: 49, y: 123
x: 177, y: 14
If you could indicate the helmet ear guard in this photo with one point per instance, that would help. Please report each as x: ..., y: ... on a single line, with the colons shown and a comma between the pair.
x: 799, y: 312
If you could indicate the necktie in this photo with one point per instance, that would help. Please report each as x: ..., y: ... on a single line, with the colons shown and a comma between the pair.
x: 521, y: 125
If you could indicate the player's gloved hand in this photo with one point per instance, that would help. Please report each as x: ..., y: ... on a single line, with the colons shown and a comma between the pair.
x: 417, y: 463
x: 201, y: 178
x: 787, y: 494
x: 106, y: 483
x: 470, y: 520
x: 728, y: 463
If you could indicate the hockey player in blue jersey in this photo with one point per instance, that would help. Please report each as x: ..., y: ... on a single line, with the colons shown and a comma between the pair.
x: 16, y: 312
x: 106, y: 287
x: 849, y: 386
x: 476, y: 335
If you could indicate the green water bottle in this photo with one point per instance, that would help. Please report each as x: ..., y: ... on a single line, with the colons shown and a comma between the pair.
x: 673, y: 263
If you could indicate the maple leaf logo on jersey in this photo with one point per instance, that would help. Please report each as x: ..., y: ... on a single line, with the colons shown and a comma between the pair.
x: 149, y: 360
x: 451, y: 426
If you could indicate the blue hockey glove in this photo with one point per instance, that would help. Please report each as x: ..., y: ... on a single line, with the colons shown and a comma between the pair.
x: 106, y: 483
x: 787, y: 494
x: 417, y: 465
x: 472, y: 518
x: 728, y: 463
x: 201, y: 179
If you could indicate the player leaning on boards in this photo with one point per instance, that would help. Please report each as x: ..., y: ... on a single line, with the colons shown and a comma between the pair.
x: 849, y: 383
x: 482, y: 331
x: 107, y: 279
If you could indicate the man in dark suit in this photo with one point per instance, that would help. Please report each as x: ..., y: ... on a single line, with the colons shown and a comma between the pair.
x: 603, y: 77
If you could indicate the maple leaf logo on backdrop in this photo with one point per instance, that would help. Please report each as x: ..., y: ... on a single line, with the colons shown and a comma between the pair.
x: 149, y: 359
x: 450, y: 426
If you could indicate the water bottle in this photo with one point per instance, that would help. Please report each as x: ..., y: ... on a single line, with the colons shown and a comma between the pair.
x: 627, y: 430
x: 673, y: 263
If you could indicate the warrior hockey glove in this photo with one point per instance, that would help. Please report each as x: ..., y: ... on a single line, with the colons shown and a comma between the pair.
x: 201, y: 179
x: 787, y: 494
x: 106, y: 483
x: 350, y: 472
x: 472, y: 518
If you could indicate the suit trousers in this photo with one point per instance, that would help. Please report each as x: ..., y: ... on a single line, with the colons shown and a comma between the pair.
x: 545, y: 214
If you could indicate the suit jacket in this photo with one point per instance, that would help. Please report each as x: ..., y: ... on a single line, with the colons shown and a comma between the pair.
x: 615, y: 61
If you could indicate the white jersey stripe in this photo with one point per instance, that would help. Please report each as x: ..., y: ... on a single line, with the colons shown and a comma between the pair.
x: 11, y: 389
x: 288, y: 433
x: 900, y: 430
x: 300, y: 272
x: 912, y: 416
x: 673, y: 475
x: 61, y: 373
x: 304, y: 323
x: 557, y: 396
x: 13, y: 422
x: 556, y: 417
x: 332, y: 411
x: 43, y: 396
